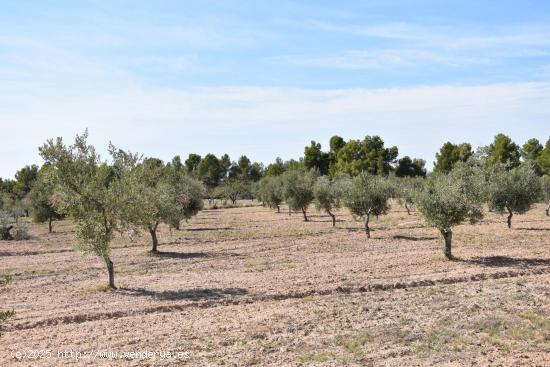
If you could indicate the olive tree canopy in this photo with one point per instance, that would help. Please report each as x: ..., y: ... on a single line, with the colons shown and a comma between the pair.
x: 298, y: 189
x: 513, y: 191
x: 448, y: 200
x: 154, y: 193
x: 328, y: 195
x: 89, y: 193
x: 367, y: 195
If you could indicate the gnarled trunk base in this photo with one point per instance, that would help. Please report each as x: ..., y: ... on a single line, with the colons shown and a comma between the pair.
x: 111, y: 270
x: 510, y: 215
x: 153, y: 232
x: 154, y: 238
x: 448, y: 237
x: 333, y: 218
x: 367, y: 228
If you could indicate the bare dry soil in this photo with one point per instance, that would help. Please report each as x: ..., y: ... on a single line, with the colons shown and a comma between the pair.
x: 248, y: 286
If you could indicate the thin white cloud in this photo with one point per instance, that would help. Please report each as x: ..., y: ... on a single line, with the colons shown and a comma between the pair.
x: 383, y: 59
x: 267, y: 122
x: 390, y: 45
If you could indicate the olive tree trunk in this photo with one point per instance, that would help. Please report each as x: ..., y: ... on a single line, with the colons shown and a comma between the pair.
x: 548, y: 210
x: 111, y: 270
x: 448, y: 237
x: 305, y: 215
x: 333, y: 218
x: 510, y: 215
x: 50, y: 224
x: 367, y: 228
x: 408, y: 208
x: 278, y: 209
x: 153, y: 232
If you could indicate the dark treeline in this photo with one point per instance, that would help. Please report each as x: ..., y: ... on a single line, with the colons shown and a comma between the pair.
x: 225, y: 177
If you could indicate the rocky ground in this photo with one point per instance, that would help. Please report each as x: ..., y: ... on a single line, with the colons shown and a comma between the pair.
x: 247, y: 286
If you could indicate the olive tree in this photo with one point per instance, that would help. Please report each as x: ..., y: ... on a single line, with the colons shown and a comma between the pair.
x: 513, y: 191
x: 43, y: 196
x: 271, y: 191
x: 367, y: 195
x: 298, y: 189
x: 328, y: 196
x: 232, y: 188
x: 448, y: 200
x: 153, y: 193
x: 406, y: 189
x: 88, y: 193
x: 188, y: 193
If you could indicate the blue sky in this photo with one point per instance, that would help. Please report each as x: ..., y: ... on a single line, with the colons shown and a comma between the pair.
x: 263, y: 78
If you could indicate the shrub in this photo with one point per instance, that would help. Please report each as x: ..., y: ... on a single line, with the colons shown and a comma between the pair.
x: 4, y: 315
x: 5, y: 226
x: 21, y: 232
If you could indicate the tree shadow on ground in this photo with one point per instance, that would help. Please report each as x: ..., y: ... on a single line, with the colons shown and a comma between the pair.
x: 410, y: 238
x: 210, y: 229
x: 358, y: 229
x: 324, y: 220
x: 533, y: 229
x: 189, y: 294
x: 190, y: 255
x: 502, y: 261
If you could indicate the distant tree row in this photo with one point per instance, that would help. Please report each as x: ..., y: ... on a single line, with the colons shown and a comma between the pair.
x: 232, y: 180
x: 354, y: 157
x: 229, y: 180
x: 370, y: 155
x: 444, y: 199
x: 213, y: 171
x: 502, y: 150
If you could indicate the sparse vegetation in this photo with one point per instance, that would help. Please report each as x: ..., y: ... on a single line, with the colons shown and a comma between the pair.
x: 5, y: 315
